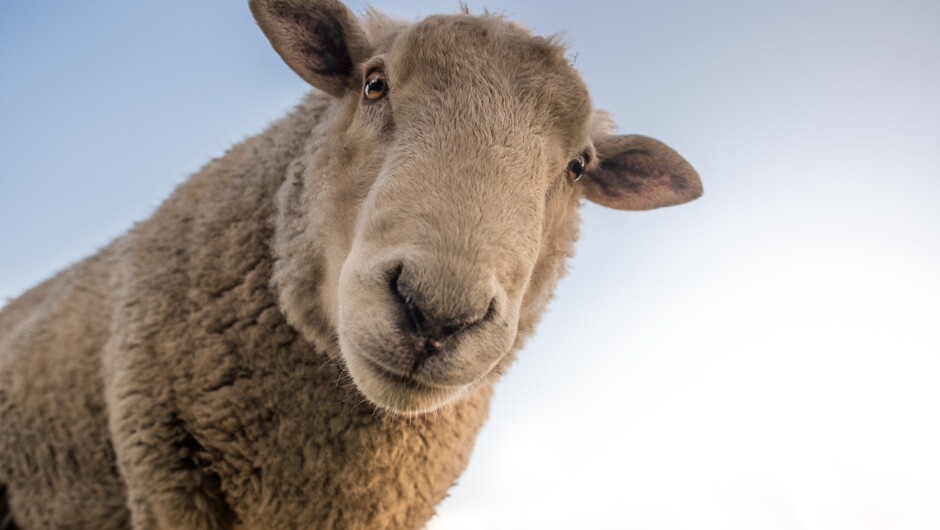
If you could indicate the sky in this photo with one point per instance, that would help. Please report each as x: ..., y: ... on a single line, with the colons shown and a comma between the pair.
x: 765, y: 357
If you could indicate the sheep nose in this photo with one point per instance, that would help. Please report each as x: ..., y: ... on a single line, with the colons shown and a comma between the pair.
x: 431, y: 329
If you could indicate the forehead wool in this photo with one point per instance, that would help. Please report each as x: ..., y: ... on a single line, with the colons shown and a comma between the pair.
x: 487, y: 61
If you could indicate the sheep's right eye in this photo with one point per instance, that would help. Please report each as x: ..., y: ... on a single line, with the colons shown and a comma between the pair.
x: 376, y: 86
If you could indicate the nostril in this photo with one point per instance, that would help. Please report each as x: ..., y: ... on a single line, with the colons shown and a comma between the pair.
x: 416, y: 320
x: 427, y: 325
x: 393, y: 278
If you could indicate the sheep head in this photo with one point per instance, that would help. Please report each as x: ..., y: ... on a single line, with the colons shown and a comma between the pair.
x: 423, y: 233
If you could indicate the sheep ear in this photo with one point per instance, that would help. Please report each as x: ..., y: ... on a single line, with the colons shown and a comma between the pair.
x: 639, y: 173
x: 321, y: 40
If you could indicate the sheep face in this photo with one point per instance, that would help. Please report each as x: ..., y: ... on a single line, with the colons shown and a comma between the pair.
x: 442, y: 195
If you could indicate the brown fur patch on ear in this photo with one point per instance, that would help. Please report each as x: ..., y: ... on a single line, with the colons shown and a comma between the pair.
x: 639, y: 173
x: 321, y: 40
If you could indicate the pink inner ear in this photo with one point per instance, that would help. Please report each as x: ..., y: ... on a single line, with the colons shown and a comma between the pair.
x: 320, y: 40
x: 637, y: 166
x: 641, y: 177
x: 645, y: 166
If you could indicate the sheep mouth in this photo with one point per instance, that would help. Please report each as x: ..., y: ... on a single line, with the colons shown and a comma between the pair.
x: 407, y: 381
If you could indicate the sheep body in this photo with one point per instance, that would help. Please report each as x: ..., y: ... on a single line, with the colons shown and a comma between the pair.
x: 202, y: 378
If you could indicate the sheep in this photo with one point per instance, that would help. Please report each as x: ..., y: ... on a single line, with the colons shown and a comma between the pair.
x: 306, y: 333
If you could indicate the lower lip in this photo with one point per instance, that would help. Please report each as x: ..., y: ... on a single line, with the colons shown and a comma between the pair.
x: 404, y: 380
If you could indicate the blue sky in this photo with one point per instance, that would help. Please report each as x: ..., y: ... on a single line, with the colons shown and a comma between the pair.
x: 765, y: 357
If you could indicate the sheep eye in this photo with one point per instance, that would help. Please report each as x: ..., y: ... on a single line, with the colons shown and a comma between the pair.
x: 576, y: 167
x: 376, y: 86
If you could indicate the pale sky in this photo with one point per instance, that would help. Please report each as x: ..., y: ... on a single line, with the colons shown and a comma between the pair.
x: 766, y: 357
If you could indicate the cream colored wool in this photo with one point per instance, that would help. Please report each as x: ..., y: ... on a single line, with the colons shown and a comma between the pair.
x: 241, y: 359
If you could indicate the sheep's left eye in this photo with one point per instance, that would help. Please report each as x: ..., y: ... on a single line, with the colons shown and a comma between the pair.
x: 376, y: 86
x: 577, y: 167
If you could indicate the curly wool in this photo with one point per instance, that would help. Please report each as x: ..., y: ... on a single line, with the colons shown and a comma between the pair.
x: 172, y: 337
